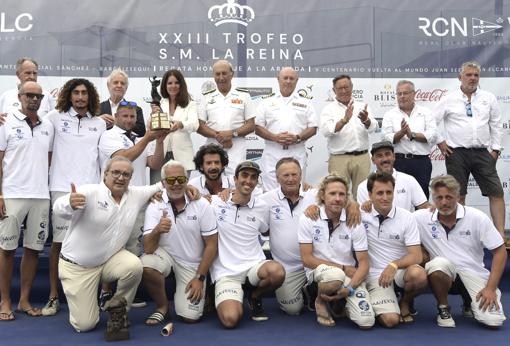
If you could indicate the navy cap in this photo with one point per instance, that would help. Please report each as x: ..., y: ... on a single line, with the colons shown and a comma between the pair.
x: 247, y: 165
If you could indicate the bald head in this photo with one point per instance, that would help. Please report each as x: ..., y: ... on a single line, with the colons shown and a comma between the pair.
x: 287, y: 81
x: 30, y: 96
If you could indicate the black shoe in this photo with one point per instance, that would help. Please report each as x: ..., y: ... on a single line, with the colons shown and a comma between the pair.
x: 103, y: 298
x: 257, y: 310
x: 310, y: 293
x: 117, y: 325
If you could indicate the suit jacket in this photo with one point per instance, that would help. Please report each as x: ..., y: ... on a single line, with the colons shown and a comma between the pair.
x: 140, y: 122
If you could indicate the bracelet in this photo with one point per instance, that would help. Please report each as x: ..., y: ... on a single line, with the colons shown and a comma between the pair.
x: 394, y: 265
x: 351, y: 290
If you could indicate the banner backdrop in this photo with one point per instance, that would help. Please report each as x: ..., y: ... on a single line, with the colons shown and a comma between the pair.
x: 377, y: 43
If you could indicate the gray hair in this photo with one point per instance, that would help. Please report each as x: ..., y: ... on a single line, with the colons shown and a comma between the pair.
x: 447, y: 181
x: 115, y: 72
x: 405, y: 81
x: 117, y: 159
x: 169, y: 164
x: 23, y: 60
x: 470, y: 64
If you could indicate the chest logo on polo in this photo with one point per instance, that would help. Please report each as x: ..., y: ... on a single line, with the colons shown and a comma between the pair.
x: 434, y: 232
x: 317, y: 234
x: 191, y: 217
x: 250, y: 218
x: 93, y: 129
x: 402, y: 190
x: 19, y: 134
x: 65, y: 127
x: 102, y: 205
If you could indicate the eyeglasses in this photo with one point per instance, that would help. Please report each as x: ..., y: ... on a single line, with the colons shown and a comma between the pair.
x: 117, y: 174
x: 180, y: 180
x: 39, y: 97
x: 405, y: 93
x: 469, y: 111
x: 127, y: 104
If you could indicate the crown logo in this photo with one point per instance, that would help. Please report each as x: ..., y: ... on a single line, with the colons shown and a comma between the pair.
x: 230, y: 12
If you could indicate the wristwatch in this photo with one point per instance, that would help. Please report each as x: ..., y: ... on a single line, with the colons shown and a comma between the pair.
x: 413, y: 136
x: 298, y: 139
x: 200, y: 277
x: 234, y: 133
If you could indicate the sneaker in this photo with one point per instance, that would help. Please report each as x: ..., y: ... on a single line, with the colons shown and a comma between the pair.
x: 52, y: 307
x: 138, y: 303
x: 257, y: 310
x: 103, y: 298
x: 117, y: 325
x: 444, y: 317
x: 309, y: 295
x: 467, y: 311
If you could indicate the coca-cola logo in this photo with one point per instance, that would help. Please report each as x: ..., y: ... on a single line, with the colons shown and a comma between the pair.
x: 434, y: 95
x: 436, y: 155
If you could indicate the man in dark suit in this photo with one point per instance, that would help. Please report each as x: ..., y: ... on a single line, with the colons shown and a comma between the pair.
x: 117, y: 83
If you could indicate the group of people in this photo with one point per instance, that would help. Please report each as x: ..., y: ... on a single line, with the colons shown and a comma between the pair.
x: 367, y: 257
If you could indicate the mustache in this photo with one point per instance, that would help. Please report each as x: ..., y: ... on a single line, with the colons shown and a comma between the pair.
x: 385, y: 162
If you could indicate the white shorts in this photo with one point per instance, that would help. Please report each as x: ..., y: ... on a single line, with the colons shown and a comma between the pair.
x: 289, y: 295
x: 59, y: 225
x: 384, y: 300
x: 230, y: 287
x: 164, y: 263
x: 474, y: 284
x: 36, y: 232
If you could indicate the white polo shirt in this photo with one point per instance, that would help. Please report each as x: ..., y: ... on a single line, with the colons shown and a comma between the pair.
x: 227, y: 182
x: 222, y: 113
x: 407, y: 194
x: 420, y: 120
x: 464, y: 244
x: 336, y: 247
x: 9, y: 102
x: 75, y: 156
x: 116, y: 139
x: 25, y: 162
x: 353, y: 136
x: 388, y: 242
x: 484, y: 129
x: 103, y: 227
x: 184, y: 241
x: 284, y: 226
x: 239, y: 227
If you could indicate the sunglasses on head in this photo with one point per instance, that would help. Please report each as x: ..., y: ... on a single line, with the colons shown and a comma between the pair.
x: 127, y: 104
x: 180, y: 180
x: 469, y: 111
x: 39, y: 97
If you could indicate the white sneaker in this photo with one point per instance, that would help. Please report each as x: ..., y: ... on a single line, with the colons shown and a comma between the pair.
x: 52, y: 307
x: 444, y: 317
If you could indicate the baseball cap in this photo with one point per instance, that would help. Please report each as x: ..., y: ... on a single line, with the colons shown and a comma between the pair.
x: 247, y: 165
x: 381, y: 145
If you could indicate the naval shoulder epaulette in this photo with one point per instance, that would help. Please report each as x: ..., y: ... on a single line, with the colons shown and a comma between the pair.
x: 244, y: 90
x: 208, y: 92
x: 267, y: 96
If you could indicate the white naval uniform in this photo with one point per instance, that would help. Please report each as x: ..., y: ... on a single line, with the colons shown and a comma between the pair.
x: 461, y: 251
x: 25, y: 180
x: 9, y: 101
x: 230, y: 112
x: 278, y: 114
x: 407, y: 193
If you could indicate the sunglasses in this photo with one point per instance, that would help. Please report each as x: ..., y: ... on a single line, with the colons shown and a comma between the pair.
x: 127, y: 104
x: 469, y: 111
x: 39, y: 97
x: 180, y: 180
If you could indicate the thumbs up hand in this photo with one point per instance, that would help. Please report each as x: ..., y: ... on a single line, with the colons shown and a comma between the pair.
x: 77, y: 200
x: 164, y: 223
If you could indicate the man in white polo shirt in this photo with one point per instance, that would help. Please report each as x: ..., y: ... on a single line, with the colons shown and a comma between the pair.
x: 101, y: 219
x: 455, y: 237
x: 327, y: 248
x: 285, y: 121
x: 408, y: 193
x: 211, y: 161
x: 24, y: 138
x: 240, y: 257
x: 226, y: 116
x: 346, y: 124
x: 26, y: 71
x: 75, y: 159
x: 179, y: 235
x: 412, y: 129
x: 394, y: 251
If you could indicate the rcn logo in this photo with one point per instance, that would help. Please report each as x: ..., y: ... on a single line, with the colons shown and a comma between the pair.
x: 21, y: 22
x: 453, y: 27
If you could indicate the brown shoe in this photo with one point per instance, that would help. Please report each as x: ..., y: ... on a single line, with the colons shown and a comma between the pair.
x: 117, y: 325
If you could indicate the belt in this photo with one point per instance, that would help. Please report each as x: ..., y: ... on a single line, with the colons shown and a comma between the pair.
x: 472, y: 149
x: 355, y: 153
x: 67, y: 259
x: 409, y: 156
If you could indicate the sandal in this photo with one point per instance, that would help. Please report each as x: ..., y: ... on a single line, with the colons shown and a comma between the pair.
x: 7, y: 316
x: 155, y: 319
x: 323, y: 315
x: 32, y: 312
x: 406, y: 319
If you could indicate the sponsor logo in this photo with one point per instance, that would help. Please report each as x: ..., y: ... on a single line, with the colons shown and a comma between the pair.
x: 41, y: 235
x: 433, y: 95
x: 249, y: 218
x: 363, y: 305
x: 192, y: 217
x: 361, y: 294
x: 504, y: 99
x: 93, y: 129
x: 402, y: 190
x: 15, y: 23
x: 386, y: 97
x: 5, y: 239
x: 436, y: 155
x: 42, y: 225
x: 230, y: 12
x: 102, y: 205
x: 455, y: 27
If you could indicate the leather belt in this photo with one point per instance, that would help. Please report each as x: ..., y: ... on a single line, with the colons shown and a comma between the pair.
x: 355, y: 153
x: 409, y: 156
x: 67, y: 259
